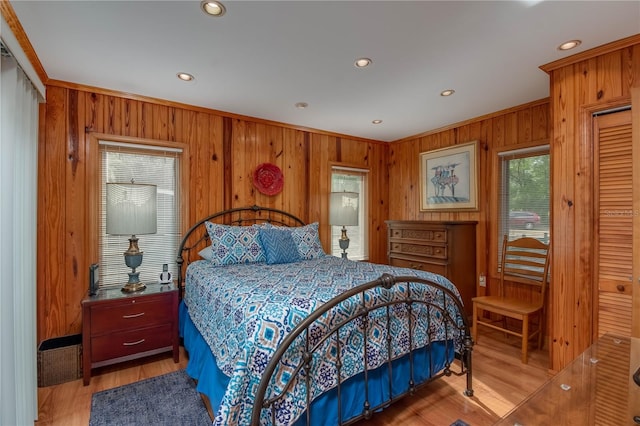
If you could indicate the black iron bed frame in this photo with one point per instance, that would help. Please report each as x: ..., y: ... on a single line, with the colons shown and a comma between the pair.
x: 196, y: 238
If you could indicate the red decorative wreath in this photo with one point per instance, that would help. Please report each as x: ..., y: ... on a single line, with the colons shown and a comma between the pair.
x: 268, y: 179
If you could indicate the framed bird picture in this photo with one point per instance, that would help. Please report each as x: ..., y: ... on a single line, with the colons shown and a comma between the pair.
x: 448, y: 178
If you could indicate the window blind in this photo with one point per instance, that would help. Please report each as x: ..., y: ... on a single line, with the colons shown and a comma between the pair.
x: 124, y: 163
x: 524, y: 199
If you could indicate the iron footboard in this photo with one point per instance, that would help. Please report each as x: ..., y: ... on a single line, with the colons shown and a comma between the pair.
x: 303, y: 341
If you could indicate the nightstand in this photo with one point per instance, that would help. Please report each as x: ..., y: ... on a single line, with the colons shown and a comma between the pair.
x: 118, y: 327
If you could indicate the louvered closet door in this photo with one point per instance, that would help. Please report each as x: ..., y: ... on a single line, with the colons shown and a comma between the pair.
x: 615, y: 216
x: 616, y: 395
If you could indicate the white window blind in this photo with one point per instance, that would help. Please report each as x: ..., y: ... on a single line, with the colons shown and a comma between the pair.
x: 160, y: 166
x: 352, y: 180
x: 524, y: 194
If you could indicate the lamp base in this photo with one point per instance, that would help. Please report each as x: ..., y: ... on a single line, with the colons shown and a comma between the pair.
x: 344, y: 242
x: 133, y: 259
x: 133, y: 287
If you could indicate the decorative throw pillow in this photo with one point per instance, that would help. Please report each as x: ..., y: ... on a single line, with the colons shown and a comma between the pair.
x: 307, y: 240
x: 278, y: 246
x: 234, y: 244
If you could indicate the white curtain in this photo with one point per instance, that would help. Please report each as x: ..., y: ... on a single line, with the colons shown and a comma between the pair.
x: 18, y: 203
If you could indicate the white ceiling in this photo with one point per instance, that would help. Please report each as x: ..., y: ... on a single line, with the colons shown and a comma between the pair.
x: 262, y: 57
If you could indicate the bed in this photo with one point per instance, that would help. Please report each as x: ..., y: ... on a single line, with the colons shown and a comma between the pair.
x: 279, y: 333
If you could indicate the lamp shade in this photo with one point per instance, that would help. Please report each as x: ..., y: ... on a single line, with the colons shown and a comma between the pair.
x: 131, y: 209
x: 343, y: 209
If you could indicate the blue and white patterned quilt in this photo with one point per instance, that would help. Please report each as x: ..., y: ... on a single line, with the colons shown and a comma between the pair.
x: 244, y: 311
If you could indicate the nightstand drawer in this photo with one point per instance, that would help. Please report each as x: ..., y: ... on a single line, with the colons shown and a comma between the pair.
x: 130, y: 342
x: 134, y: 313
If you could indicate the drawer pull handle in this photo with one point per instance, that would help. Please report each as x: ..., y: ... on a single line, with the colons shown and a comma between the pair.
x: 133, y: 343
x: 416, y: 266
x: 133, y: 315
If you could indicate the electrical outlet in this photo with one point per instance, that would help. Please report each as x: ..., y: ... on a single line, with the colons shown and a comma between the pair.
x: 483, y: 280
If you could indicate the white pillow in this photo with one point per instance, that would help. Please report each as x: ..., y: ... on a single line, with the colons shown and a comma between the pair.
x: 206, y: 253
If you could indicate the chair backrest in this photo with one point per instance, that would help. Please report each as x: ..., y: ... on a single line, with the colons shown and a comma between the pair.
x: 525, y: 261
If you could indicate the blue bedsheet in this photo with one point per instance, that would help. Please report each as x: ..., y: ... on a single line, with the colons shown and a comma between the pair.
x: 244, y: 311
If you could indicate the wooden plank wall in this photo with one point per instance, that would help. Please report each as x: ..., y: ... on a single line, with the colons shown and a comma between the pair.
x: 224, y: 150
x: 522, y: 126
x: 584, y: 83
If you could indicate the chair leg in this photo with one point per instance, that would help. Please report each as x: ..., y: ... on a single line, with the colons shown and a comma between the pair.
x: 525, y: 338
x: 475, y: 324
x: 541, y: 325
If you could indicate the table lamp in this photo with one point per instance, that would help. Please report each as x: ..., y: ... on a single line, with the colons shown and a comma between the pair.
x: 132, y: 210
x: 343, y: 211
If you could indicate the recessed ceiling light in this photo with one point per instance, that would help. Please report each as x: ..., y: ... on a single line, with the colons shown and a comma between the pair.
x: 302, y: 105
x: 568, y: 45
x: 362, y: 62
x: 213, y: 8
x: 447, y: 92
x: 377, y: 121
x: 185, y: 76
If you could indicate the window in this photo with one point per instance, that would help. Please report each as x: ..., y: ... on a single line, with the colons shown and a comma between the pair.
x: 524, y: 194
x: 124, y: 162
x: 352, y: 180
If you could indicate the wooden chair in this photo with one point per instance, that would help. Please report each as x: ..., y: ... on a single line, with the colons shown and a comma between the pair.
x: 524, y: 261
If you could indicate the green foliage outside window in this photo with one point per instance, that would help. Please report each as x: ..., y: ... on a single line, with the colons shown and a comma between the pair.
x: 528, y: 180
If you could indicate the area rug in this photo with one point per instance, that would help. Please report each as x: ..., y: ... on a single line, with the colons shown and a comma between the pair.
x: 170, y: 399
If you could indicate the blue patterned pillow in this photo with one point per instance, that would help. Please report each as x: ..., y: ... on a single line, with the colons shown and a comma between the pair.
x: 307, y: 240
x: 278, y: 246
x: 234, y: 244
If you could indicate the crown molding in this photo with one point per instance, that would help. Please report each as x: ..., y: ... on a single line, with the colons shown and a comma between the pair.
x: 16, y: 28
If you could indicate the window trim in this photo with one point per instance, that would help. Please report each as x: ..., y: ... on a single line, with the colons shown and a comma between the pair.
x: 92, y: 179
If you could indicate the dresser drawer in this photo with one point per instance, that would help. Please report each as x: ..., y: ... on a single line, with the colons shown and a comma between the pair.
x: 432, y: 251
x: 421, y: 266
x: 130, y: 342
x: 134, y: 313
x: 427, y: 235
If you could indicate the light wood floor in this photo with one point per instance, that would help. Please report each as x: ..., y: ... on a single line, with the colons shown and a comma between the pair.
x: 500, y: 382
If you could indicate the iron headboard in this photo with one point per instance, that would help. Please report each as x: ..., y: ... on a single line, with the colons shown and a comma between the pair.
x: 197, y: 237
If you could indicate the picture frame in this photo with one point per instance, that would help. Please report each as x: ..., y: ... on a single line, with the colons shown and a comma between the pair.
x: 448, y: 178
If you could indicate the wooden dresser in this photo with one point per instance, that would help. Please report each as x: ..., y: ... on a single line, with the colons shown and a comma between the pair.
x: 119, y: 327
x: 445, y: 248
